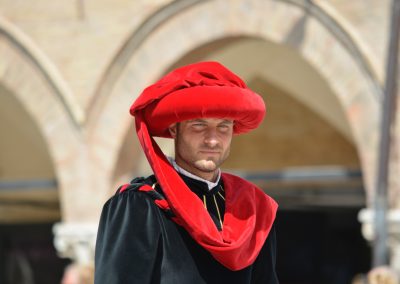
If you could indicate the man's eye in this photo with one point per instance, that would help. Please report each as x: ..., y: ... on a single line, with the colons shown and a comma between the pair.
x: 198, y: 125
x: 224, y: 127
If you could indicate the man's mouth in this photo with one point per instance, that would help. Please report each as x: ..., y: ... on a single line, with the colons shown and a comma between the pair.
x: 209, y: 152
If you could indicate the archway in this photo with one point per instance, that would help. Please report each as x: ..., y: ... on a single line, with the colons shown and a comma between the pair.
x: 337, y: 57
x: 40, y: 130
x: 29, y: 198
x: 258, y: 60
x: 34, y: 81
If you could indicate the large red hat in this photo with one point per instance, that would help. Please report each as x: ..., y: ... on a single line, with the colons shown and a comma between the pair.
x: 207, y: 90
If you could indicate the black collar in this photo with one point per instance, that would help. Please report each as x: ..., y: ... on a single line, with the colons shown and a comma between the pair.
x: 200, y: 187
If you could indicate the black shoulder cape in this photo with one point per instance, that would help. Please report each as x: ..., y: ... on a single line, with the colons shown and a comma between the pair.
x: 137, y: 242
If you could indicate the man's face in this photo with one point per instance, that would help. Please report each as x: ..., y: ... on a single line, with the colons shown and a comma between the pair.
x: 202, y: 145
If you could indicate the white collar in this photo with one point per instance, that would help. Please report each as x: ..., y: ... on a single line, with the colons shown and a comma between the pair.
x: 180, y: 170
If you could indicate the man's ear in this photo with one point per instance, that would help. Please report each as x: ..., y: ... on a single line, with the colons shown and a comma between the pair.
x: 173, y: 129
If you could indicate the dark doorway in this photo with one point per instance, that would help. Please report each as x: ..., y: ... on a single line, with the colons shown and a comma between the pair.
x: 320, y: 246
x: 28, y: 256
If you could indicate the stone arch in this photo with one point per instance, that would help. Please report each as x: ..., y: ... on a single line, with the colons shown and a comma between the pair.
x: 333, y: 50
x: 31, y: 77
x: 28, y: 189
x: 285, y: 97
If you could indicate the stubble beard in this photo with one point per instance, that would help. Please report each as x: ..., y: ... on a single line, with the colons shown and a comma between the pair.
x: 206, y: 165
x: 209, y: 164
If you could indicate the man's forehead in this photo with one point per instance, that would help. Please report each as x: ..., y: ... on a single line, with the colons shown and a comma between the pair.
x: 218, y: 120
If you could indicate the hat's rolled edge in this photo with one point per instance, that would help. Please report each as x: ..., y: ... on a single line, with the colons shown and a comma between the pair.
x: 242, y: 105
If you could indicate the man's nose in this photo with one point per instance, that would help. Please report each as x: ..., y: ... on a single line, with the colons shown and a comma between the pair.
x: 211, y: 138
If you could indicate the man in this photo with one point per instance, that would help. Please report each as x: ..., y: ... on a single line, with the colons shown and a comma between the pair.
x: 190, y: 223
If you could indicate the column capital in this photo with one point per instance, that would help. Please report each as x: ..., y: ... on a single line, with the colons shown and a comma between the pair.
x: 76, y: 241
x: 366, y: 217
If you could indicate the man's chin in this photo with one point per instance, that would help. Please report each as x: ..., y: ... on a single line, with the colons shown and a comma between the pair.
x: 206, y: 165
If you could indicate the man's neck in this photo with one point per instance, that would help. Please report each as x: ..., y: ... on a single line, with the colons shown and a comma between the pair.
x: 207, y: 175
x: 181, y: 170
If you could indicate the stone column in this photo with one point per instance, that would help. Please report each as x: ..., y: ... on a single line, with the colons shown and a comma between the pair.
x: 366, y: 217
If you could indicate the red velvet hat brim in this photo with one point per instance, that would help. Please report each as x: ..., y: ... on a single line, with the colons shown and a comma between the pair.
x: 245, y: 107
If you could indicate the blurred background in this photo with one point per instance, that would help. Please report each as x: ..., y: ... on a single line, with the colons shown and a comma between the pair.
x: 69, y: 71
